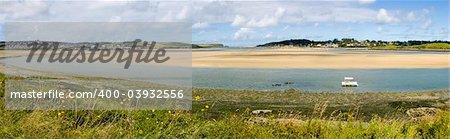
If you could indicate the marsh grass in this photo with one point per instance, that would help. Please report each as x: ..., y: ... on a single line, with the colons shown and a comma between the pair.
x: 226, y: 114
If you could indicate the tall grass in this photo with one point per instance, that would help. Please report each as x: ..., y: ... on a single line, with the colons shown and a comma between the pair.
x: 199, y: 123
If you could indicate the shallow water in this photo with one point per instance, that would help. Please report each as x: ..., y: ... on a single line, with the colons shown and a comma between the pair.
x: 315, y: 80
x: 370, y: 80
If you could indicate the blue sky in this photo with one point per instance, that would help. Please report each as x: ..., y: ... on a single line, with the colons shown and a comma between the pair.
x: 247, y: 23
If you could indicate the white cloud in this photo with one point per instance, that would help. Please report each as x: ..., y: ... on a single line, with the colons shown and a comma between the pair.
x: 239, y: 14
x: 184, y: 13
x: 384, y: 17
x: 243, y: 33
x: 2, y: 17
x: 200, y: 25
x: 417, y: 15
x: 22, y: 9
x: 425, y: 11
x: 266, y: 21
x: 115, y: 19
x: 279, y: 12
x: 238, y: 20
x: 298, y: 12
x: 316, y: 24
x: 347, y: 30
x: 269, y: 35
x: 366, y: 1
x: 411, y: 16
x: 245, y: 16
x: 444, y: 33
x: 172, y: 14
x: 380, y: 29
x: 427, y: 23
x: 100, y: 11
x: 286, y: 27
x: 168, y: 17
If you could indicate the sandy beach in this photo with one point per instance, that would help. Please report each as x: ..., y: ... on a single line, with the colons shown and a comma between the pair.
x: 317, y: 58
x: 306, y: 58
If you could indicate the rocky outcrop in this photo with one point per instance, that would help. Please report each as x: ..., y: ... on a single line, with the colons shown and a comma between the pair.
x: 420, y: 113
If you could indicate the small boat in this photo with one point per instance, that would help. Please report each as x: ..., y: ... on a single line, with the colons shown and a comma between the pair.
x: 276, y: 84
x: 349, y: 82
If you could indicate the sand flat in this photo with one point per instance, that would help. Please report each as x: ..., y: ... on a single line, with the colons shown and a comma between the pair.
x: 306, y: 58
x: 310, y: 58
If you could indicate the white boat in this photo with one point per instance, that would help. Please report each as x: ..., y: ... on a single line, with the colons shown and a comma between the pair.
x: 349, y: 82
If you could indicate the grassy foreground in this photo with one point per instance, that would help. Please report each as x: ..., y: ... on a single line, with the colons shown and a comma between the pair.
x: 226, y: 114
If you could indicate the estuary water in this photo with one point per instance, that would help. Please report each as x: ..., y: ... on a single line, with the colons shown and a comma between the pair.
x: 314, y: 80
x: 324, y: 80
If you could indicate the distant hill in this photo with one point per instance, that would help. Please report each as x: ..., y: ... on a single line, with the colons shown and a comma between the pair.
x: 291, y: 42
x: 172, y: 45
x: 186, y: 45
x: 175, y: 45
x: 212, y: 45
x: 2, y: 45
x: 352, y: 43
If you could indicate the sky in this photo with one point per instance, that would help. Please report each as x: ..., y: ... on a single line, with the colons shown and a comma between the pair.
x: 248, y: 23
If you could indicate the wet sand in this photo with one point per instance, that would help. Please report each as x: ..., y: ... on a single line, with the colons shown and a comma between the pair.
x: 307, y: 58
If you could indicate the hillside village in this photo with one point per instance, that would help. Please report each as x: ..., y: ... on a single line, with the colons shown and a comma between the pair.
x: 347, y: 43
x: 23, y: 45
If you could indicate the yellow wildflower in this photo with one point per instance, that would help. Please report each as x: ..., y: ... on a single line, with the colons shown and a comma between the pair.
x: 207, y: 106
x: 141, y: 132
x: 202, y: 109
x: 197, y: 98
